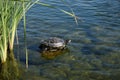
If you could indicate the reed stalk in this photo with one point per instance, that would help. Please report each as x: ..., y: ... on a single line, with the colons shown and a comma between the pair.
x: 11, y: 12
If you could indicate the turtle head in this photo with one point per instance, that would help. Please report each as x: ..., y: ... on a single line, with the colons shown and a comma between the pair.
x: 67, y: 41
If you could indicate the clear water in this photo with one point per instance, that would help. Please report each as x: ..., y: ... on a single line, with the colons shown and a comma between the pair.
x: 95, y: 48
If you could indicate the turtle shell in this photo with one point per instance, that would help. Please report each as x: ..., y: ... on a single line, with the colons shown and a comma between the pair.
x: 53, y: 43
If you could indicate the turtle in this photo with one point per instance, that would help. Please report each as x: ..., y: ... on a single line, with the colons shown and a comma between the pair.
x: 53, y: 44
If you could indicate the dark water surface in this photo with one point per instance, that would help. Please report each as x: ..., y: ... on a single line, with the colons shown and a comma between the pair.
x: 94, y: 53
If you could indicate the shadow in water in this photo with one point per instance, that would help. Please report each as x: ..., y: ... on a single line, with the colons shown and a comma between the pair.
x: 9, y: 69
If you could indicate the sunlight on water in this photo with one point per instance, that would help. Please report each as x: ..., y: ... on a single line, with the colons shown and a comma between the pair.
x: 95, y: 48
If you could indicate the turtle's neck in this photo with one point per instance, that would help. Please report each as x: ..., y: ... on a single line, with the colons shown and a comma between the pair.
x: 67, y: 41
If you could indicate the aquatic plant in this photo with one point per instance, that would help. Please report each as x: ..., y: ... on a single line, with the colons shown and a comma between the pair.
x: 11, y: 12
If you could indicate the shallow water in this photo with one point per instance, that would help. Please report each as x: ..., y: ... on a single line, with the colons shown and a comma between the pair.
x: 94, y: 53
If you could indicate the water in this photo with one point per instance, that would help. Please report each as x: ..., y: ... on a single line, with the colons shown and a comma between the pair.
x: 95, y: 48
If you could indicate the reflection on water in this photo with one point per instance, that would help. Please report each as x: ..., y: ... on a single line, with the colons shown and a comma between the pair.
x: 95, y: 48
x: 9, y: 70
x: 53, y: 54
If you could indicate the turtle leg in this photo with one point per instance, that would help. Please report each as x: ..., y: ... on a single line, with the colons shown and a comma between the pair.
x: 51, y: 49
x: 43, y: 47
x: 63, y: 48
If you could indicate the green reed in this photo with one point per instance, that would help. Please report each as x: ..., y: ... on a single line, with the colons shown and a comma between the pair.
x: 11, y: 12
